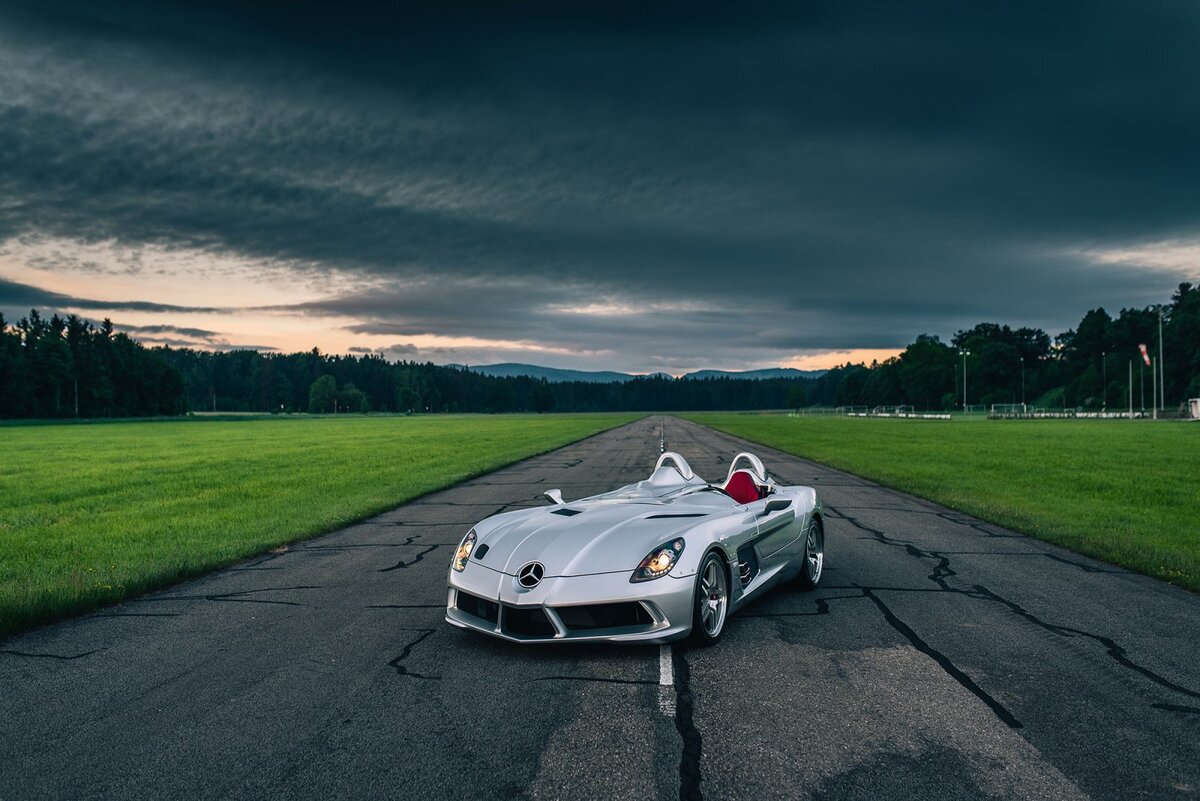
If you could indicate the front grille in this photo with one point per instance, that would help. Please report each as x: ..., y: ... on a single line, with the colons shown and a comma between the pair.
x: 527, y: 622
x: 477, y: 607
x: 603, y: 616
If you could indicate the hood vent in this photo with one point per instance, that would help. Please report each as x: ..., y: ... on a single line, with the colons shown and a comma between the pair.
x: 680, y: 514
x: 481, y: 551
x: 567, y: 512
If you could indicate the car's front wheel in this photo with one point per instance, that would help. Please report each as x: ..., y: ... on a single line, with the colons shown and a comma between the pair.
x: 814, y: 556
x: 711, y: 603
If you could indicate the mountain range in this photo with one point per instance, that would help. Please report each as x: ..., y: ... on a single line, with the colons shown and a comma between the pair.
x: 557, y: 375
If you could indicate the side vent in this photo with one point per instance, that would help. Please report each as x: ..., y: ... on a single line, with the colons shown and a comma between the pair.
x: 681, y: 514
x: 567, y: 512
x: 747, y: 564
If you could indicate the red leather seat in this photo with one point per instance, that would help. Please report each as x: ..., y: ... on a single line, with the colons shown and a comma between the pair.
x: 742, y: 487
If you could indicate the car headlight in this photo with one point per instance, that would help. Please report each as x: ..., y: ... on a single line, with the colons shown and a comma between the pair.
x: 659, y: 561
x: 464, y: 552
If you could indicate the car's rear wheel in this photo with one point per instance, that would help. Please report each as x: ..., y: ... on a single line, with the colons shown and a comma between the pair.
x: 814, y: 556
x: 711, y: 603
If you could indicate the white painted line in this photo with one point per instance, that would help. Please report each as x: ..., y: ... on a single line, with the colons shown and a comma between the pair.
x: 666, y: 681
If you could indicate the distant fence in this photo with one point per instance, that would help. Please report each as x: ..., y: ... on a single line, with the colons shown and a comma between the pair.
x: 815, y: 411
x: 1060, y: 414
x: 908, y: 415
x: 867, y: 411
x: 1000, y: 411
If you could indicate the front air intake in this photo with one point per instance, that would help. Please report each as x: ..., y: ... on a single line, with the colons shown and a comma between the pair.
x: 526, y: 622
x: 603, y: 616
x: 476, y: 607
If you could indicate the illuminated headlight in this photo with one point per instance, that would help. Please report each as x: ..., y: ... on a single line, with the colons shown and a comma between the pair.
x: 464, y: 551
x: 659, y: 561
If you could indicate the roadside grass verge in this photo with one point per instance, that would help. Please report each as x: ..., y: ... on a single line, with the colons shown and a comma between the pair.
x: 94, y: 514
x: 1126, y: 492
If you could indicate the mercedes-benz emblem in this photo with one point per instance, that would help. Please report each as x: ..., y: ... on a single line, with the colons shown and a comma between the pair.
x: 530, y: 575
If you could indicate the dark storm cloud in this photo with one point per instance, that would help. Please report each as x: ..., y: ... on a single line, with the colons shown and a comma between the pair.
x: 741, y: 184
x: 158, y: 330
x: 14, y: 295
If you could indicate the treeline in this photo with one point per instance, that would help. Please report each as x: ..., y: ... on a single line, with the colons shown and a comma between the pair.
x: 66, y: 367
x: 245, y: 381
x: 1085, y: 367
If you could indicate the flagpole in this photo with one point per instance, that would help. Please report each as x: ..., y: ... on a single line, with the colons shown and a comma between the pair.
x: 1145, y: 362
x: 1162, y: 392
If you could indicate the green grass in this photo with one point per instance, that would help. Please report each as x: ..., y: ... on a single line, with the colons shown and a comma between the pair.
x: 92, y: 514
x: 1126, y: 492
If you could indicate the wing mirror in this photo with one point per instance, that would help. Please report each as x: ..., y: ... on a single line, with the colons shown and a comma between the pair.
x: 554, y: 495
x: 776, y: 506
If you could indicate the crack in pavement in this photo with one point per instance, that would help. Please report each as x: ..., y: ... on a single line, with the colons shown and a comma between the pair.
x: 413, y: 561
x: 407, y: 524
x: 401, y: 670
x: 514, y: 504
x: 1114, y: 650
x: 59, y: 657
x: 693, y: 743
x: 233, y: 596
x: 1191, y: 710
x: 822, y: 608
x: 1051, y: 556
x: 942, y: 570
x: 978, y: 527
x: 944, y: 661
x: 1087, y: 568
x: 275, y: 554
x: 466, y: 504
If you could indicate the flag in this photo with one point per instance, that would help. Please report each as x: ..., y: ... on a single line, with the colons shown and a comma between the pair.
x: 1145, y: 355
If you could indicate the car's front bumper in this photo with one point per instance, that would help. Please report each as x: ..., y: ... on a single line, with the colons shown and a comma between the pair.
x: 602, y: 607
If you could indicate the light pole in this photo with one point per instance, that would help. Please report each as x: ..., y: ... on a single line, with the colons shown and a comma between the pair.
x: 1104, y: 382
x: 1153, y: 392
x: 1162, y: 386
x: 1131, y: 389
x: 965, y: 354
x: 1022, y: 383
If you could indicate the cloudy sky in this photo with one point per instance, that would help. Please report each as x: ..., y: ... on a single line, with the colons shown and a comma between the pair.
x: 611, y: 185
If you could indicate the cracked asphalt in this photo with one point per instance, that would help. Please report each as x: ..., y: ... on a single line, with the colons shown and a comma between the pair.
x: 942, y: 658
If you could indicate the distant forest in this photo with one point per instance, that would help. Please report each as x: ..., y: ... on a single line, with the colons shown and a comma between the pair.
x: 68, y: 367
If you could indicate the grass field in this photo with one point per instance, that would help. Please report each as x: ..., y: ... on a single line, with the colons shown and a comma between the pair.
x: 1127, y: 492
x: 91, y: 514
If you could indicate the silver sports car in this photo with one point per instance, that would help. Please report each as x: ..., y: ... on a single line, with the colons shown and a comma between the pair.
x: 654, y: 561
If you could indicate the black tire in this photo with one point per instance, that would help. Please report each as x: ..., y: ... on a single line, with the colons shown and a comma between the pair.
x: 710, y: 600
x: 813, y: 568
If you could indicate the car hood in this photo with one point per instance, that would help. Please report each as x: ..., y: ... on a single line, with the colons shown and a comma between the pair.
x: 583, y: 538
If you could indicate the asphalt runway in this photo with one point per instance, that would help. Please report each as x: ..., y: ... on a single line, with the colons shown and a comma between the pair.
x: 942, y: 658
